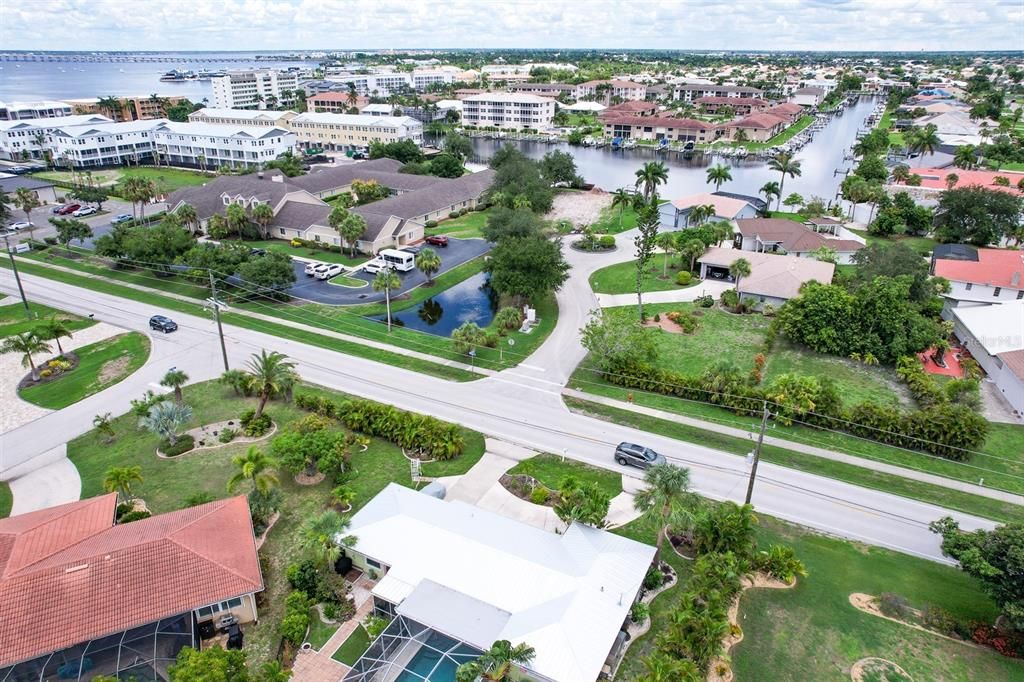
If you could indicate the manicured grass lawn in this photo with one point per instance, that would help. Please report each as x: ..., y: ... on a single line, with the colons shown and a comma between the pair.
x: 282, y: 246
x: 923, y: 245
x: 165, y: 179
x: 551, y: 471
x: 1012, y: 166
x: 621, y: 277
x: 614, y: 221
x: 6, y: 500
x: 787, y: 215
x: 319, y: 631
x: 353, y: 647
x: 101, y: 365
x: 813, y: 633
x: 168, y: 482
x: 14, y: 320
x: 469, y: 226
x: 347, y: 282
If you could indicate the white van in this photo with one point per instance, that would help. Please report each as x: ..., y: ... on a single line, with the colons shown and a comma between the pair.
x: 403, y: 261
x: 330, y: 271
x: 374, y: 266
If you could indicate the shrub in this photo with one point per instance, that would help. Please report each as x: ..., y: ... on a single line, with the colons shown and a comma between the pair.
x: 453, y: 214
x: 894, y: 606
x: 938, y: 619
x: 184, y: 443
x: 606, y: 242
x: 293, y: 627
x: 45, y: 373
x: 540, y: 495
x: 729, y: 298
x: 705, y: 301
x: 431, y: 223
x: 252, y: 426
x: 768, y: 310
x: 654, y: 579
x: 52, y: 241
x: 374, y: 626
x: 508, y: 318
x: 295, y: 243
x: 304, y: 577
x: 137, y: 515
x: 683, y: 278
x: 123, y: 509
x: 330, y: 611
x: 639, y: 612
x: 780, y: 562
x: 657, y: 317
x: 227, y: 435
x: 262, y: 506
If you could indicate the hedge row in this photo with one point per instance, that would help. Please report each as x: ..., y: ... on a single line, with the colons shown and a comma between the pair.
x: 944, y: 429
x: 423, y: 434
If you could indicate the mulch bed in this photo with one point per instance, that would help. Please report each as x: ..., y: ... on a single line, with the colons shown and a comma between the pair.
x: 27, y: 381
x: 682, y: 546
x: 522, y: 486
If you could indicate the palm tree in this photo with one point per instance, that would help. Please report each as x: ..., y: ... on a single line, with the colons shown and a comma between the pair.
x: 621, y: 199
x: 27, y: 344
x: 965, y: 157
x: 165, y: 419
x: 663, y: 667
x: 255, y: 467
x: 771, y: 189
x: 353, y: 96
x: 786, y: 165
x: 350, y: 226
x: 925, y: 140
x: 740, y: 136
x: 121, y: 479
x: 111, y: 105
x: 318, y: 535
x: 54, y: 330
x: 270, y: 374
x: 691, y: 249
x: 175, y: 379
x: 652, y: 174
x: 667, y: 494
x: 739, y: 269
x: 722, y: 230
x: 385, y: 281
x: 201, y: 160
x: 27, y: 201
x: 429, y: 263
x: 262, y: 214
x: 717, y: 175
x: 900, y: 173
x: 951, y: 180
x: 189, y: 217
x: 102, y: 424
x: 497, y: 662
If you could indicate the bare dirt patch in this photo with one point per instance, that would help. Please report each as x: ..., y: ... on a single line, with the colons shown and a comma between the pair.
x: 878, y: 669
x: 665, y: 324
x: 579, y: 208
x: 114, y: 369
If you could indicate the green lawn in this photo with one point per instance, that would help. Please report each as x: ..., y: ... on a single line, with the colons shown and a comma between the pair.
x: 614, y: 221
x: 786, y: 215
x: 621, y: 277
x: 285, y: 247
x: 1012, y: 167
x: 469, y: 226
x: 14, y: 320
x: 101, y: 365
x: 353, y: 647
x: 168, y: 482
x: 923, y: 245
x: 165, y: 179
x: 785, y: 136
x: 6, y: 499
x: 348, y: 282
x: 550, y: 470
x: 319, y: 631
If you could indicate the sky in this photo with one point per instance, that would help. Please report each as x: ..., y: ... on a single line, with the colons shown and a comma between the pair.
x: 157, y: 25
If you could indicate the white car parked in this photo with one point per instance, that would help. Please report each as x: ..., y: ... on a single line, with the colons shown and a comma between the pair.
x: 314, y: 269
x: 21, y: 225
x: 84, y: 211
x: 375, y: 266
x: 330, y: 271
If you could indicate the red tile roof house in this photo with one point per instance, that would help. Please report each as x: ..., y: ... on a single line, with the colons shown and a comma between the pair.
x: 935, y: 179
x: 779, y: 235
x: 757, y: 127
x: 742, y: 106
x: 81, y: 596
x: 996, y: 276
x: 660, y: 127
x: 631, y: 108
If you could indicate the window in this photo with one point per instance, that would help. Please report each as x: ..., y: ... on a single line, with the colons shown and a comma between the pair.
x: 997, y: 291
x: 970, y: 285
x: 1020, y: 294
x: 372, y: 563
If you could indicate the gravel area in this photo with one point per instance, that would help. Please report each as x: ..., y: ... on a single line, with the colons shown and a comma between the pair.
x: 580, y: 208
x: 17, y: 412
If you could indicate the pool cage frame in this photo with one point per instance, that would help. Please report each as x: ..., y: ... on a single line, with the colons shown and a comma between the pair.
x: 389, y: 654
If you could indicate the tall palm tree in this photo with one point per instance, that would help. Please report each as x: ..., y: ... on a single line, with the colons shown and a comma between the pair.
x: 739, y: 269
x: 667, y: 495
x: 965, y: 157
x: 262, y: 215
x: 54, y: 329
x: 27, y: 201
x: 121, y: 479
x: 429, y: 263
x: 666, y: 241
x: 175, y: 379
x: 770, y: 189
x: 784, y: 163
x: 497, y: 662
x: 319, y: 536
x: 385, y: 281
x: 270, y: 374
x: 621, y: 199
x: 717, y: 175
x: 189, y: 217
x: 111, y: 105
x: 255, y: 467
x: 27, y: 344
x: 652, y: 174
x: 350, y: 226
x: 900, y: 173
x: 951, y: 180
x: 691, y: 249
x: 925, y: 140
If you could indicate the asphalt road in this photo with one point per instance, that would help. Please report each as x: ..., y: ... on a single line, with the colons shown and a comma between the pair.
x: 522, y: 406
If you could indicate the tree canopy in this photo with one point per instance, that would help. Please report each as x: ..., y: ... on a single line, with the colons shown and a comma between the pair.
x: 527, y: 267
x: 977, y: 215
x: 518, y: 181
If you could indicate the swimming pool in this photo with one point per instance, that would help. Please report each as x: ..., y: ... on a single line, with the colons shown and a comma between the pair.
x: 437, y: 660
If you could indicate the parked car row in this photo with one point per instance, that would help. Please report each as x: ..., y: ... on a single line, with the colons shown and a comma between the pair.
x: 324, y: 271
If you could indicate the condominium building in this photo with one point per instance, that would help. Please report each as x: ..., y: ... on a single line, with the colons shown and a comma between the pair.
x: 14, y: 111
x: 242, y: 117
x: 103, y: 144
x: 254, y: 89
x: 386, y: 83
x: 336, y: 102
x: 348, y: 131
x: 508, y: 110
x: 210, y: 145
x: 138, y: 108
x: 25, y: 139
x: 660, y: 128
x: 689, y: 92
x: 606, y: 90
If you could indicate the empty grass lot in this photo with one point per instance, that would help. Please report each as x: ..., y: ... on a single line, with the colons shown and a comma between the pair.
x: 100, y: 366
x: 621, y: 277
x: 550, y: 470
x: 165, y: 179
x: 615, y: 220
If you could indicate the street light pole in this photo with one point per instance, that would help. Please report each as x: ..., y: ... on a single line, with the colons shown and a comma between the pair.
x: 17, y: 277
x: 216, y: 315
x: 757, y: 452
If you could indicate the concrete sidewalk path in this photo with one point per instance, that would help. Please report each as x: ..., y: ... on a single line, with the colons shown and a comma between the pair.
x: 55, y: 483
x: 710, y: 287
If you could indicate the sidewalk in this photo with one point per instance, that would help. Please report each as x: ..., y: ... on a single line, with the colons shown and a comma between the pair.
x: 712, y: 287
x: 862, y: 462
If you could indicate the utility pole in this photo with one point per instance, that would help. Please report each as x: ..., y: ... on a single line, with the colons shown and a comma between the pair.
x: 216, y: 314
x: 757, y: 452
x: 17, y: 277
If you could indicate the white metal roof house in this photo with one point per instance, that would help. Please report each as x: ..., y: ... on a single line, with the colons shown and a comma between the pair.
x: 455, y: 578
x: 995, y: 336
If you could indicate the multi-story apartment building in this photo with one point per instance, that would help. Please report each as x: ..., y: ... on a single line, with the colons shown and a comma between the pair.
x: 660, y: 128
x: 25, y: 139
x: 544, y: 89
x: 254, y: 89
x: 688, y: 92
x: 607, y: 89
x: 131, y: 108
x: 335, y: 102
x: 14, y: 111
x: 242, y: 117
x: 210, y: 145
x: 387, y: 83
x: 103, y: 144
x: 350, y: 131
x: 508, y: 110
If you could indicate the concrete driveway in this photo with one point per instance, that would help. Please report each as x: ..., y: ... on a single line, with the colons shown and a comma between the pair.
x: 456, y: 253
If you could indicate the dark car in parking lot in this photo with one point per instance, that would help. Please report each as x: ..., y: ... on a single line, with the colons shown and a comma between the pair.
x: 68, y: 208
x: 631, y: 454
x: 163, y: 324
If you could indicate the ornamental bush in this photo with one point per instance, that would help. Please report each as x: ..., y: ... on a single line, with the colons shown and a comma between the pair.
x: 683, y: 277
x: 606, y: 242
x: 431, y: 223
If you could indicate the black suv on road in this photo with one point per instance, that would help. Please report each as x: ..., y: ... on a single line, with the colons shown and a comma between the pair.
x: 630, y: 454
x: 162, y: 324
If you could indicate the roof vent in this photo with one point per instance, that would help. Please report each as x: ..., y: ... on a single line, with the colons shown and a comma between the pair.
x: 1015, y: 280
x: 75, y: 569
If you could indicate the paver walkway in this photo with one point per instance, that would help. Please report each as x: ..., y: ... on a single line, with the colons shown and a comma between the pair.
x: 318, y: 666
x: 711, y: 287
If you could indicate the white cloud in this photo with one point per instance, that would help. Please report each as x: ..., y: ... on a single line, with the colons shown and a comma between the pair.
x: 352, y: 24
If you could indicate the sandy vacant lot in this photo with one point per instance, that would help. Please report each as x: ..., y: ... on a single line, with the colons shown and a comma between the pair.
x: 580, y: 208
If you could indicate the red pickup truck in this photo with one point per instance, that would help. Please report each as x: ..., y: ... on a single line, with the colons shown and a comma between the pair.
x: 437, y: 240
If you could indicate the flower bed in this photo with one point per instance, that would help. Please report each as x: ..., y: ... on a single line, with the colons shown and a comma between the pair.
x: 51, y: 370
x: 211, y: 436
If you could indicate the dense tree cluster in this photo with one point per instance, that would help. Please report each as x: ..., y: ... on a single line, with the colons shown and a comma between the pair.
x: 978, y: 215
